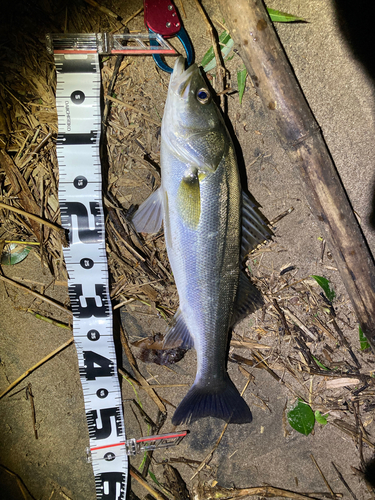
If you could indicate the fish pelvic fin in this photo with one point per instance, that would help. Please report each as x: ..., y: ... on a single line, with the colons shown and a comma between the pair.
x: 178, y: 334
x: 149, y: 216
x: 254, y: 227
x: 223, y: 401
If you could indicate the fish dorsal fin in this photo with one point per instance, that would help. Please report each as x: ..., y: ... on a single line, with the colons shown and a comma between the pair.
x: 248, y: 299
x: 178, y: 334
x: 149, y: 216
x: 254, y: 228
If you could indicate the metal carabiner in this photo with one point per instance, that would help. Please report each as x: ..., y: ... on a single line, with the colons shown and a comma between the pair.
x: 161, y: 16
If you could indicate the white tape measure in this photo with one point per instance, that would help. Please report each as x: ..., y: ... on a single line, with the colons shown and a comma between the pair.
x: 80, y: 196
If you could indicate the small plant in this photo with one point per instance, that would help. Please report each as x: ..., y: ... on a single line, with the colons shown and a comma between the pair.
x: 282, y: 17
x: 320, y: 364
x: 325, y: 285
x: 363, y: 342
x: 321, y: 419
x: 226, y: 45
x: 302, y: 418
x: 241, y: 82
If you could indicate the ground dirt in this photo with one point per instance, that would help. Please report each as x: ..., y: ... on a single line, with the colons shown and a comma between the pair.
x: 325, y: 53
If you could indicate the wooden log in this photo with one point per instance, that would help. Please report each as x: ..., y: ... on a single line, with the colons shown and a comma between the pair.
x: 300, y: 135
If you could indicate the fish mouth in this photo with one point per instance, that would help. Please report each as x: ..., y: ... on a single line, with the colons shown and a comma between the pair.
x: 181, y: 77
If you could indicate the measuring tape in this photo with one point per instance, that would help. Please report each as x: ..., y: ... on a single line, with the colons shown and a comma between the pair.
x: 80, y: 196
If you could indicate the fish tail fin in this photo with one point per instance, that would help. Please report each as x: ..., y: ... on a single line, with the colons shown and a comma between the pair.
x: 224, y: 402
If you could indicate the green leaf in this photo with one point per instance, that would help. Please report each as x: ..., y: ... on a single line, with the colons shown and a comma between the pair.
x: 282, y: 17
x: 301, y: 418
x: 153, y: 477
x: 241, y: 81
x: 324, y: 283
x: 363, y: 342
x: 321, y: 419
x: 224, y: 37
x: 14, y: 254
x: 226, y: 44
x: 320, y: 364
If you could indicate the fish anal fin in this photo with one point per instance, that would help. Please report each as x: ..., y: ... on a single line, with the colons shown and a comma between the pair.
x: 149, y: 216
x: 254, y: 228
x: 223, y: 401
x: 178, y: 334
x: 248, y: 299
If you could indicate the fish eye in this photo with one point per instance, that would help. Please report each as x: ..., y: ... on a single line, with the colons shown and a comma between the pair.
x: 203, y: 96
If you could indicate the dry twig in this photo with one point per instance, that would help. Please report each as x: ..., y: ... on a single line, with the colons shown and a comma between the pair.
x: 298, y: 322
x: 25, y: 492
x: 220, y: 70
x: 36, y: 218
x: 344, y: 482
x: 36, y: 294
x: 321, y: 473
x: 126, y: 105
x: 29, y: 395
x: 203, y: 492
x: 155, y: 493
x: 33, y: 368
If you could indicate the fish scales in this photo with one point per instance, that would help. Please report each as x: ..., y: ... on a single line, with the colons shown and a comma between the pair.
x: 200, y: 201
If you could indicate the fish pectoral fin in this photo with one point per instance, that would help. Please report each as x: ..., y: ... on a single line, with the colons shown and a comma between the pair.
x: 149, y: 216
x: 178, y: 334
x: 189, y: 200
x: 248, y: 299
x: 254, y: 228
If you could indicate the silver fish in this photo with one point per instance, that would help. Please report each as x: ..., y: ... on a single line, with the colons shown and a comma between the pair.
x: 210, y: 225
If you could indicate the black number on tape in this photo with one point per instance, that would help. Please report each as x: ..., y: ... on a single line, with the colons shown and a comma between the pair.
x: 110, y: 485
x: 77, y: 97
x: 80, y: 182
x: 85, y: 234
x: 96, y: 365
x: 106, y: 425
x: 93, y: 335
x: 102, y: 393
x: 92, y: 308
x: 87, y: 263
